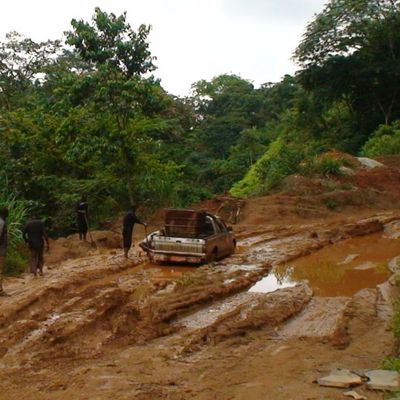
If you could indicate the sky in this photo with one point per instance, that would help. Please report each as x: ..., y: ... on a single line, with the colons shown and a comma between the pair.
x: 192, y: 39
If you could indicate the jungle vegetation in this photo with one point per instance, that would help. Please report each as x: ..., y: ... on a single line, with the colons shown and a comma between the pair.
x: 85, y: 115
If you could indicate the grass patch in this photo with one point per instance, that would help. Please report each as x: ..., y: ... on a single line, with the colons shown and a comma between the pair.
x: 16, y: 262
x: 331, y: 204
x: 393, y: 363
x: 16, y: 258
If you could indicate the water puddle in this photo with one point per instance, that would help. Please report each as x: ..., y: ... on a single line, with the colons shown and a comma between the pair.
x: 167, y: 273
x: 341, y: 269
x: 271, y: 283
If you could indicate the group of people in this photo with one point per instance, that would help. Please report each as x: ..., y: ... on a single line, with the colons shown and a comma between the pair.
x: 128, y: 223
x: 35, y: 236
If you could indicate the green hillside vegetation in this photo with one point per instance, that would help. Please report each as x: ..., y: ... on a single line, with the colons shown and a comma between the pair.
x: 85, y: 115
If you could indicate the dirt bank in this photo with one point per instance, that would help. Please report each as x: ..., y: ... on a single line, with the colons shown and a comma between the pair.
x: 99, y: 326
x: 308, y: 290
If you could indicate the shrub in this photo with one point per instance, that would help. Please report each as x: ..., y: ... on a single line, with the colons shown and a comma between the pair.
x: 282, y: 158
x: 16, y: 261
x: 384, y: 141
x: 16, y: 258
x: 18, y: 211
x: 330, y: 203
x: 327, y: 166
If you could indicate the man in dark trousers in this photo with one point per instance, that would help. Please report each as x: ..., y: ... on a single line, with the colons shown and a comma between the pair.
x: 82, y: 218
x: 34, y: 234
x: 128, y: 223
x: 3, y: 245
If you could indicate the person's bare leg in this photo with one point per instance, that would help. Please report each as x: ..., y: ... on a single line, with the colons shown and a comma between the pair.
x: 126, y: 250
x: 40, y: 262
x: 2, y: 263
x: 34, y: 262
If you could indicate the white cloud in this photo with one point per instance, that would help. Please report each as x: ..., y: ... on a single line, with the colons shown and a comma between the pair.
x: 192, y: 39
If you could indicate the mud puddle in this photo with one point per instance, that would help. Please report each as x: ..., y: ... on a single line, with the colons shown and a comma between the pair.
x: 167, y: 272
x: 341, y: 269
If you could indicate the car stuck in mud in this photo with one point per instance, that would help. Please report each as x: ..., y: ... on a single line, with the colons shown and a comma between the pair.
x: 190, y: 236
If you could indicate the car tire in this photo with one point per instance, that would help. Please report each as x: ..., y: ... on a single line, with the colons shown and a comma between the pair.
x: 214, y: 255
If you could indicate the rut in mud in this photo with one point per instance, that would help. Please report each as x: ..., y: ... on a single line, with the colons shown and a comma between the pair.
x: 103, y: 313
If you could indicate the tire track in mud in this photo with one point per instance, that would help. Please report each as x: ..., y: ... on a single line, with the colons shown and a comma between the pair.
x: 230, y: 317
x: 69, y: 302
x: 76, y: 316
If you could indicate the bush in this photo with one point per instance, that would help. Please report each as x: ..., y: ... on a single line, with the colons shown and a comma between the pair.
x: 16, y: 258
x: 283, y: 157
x: 250, y: 185
x: 330, y: 203
x: 18, y: 211
x: 16, y: 262
x: 393, y: 363
x: 384, y: 141
x: 324, y: 165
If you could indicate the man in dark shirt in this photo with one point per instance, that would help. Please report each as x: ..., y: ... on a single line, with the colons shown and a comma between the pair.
x: 3, y: 245
x: 82, y: 218
x: 35, y: 235
x: 128, y: 223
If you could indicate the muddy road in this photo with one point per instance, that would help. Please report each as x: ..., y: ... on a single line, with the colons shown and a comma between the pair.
x: 293, y: 303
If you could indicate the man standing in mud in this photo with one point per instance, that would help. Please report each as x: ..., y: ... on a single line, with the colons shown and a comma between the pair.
x: 82, y: 218
x: 35, y: 236
x: 128, y: 223
x: 3, y: 245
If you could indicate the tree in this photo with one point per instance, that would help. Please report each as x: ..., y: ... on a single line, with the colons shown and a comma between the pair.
x: 111, y: 42
x: 344, y: 26
x: 350, y: 53
x: 116, y: 87
x: 21, y: 63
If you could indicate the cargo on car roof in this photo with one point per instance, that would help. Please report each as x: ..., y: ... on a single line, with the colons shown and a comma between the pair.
x: 190, y: 236
x: 184, y: 223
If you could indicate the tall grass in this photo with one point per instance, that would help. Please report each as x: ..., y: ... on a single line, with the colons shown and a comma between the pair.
x: 16, y: 256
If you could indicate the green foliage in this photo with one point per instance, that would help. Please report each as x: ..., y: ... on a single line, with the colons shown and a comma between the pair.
x: 110, y: 41
x: 350, y: 52
x: 283, y: 157
x: 329, y: 166
x: 250, y: 185
x: 330, y: 203
x: 384, y: 141
x: 16, y: 259
x: 342, y: 27
x: 86, y: 117
x: 324, y: 165
x: 18, y: 211
x: 396, y: 320
x: 393, y: 363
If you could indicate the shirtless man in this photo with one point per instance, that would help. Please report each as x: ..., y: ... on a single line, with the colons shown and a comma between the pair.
x: 35, y: 236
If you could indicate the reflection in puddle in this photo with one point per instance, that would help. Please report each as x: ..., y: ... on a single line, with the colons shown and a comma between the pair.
x: 167, y: 273
x: 341, y: 269
x: 271, y: 283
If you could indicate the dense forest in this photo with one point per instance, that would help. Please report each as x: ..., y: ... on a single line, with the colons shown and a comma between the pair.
x: 85, y: 115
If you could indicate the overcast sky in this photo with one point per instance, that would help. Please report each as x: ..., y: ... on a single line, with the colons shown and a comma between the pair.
x: 192, y: 39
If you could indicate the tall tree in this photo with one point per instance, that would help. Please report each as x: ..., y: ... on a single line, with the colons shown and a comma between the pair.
x: 117, y: 88
x: 351, y: 53
x: 22, y: 60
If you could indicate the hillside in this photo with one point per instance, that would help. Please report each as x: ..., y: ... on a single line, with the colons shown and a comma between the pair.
x: 307, y: 291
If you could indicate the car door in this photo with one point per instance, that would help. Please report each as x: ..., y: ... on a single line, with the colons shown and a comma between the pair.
x: 224, y: 238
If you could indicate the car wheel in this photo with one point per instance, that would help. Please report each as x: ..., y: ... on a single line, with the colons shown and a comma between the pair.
x: 214, y: 255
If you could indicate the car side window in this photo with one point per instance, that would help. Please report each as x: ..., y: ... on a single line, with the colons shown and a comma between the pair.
x: 221, y: 226
x: 209, y: 226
